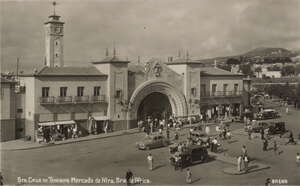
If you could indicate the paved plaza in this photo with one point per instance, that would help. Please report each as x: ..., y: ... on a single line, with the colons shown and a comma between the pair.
x: 110, y: 158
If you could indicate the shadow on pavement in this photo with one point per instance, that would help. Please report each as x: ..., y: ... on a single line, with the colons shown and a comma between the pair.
x: 196, y: 180
x: 159, y: 166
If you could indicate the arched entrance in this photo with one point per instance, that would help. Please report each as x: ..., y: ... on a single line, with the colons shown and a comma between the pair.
x: 161, y: 90
x: 155, y: 105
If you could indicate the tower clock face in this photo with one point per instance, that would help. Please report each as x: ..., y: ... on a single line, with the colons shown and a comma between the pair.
x: 57, y: 30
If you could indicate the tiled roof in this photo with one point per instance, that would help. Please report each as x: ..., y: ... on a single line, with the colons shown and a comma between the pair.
x: 68, y: 71
x: 212, y: 71
x: 113, y: 59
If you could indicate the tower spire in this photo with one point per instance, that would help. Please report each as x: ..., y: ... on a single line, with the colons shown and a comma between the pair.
x: 187, y: 55
x: 115, y: 51
x: 54, y: 4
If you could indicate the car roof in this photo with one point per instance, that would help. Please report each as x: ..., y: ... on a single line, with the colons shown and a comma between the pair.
x: 269, y: 110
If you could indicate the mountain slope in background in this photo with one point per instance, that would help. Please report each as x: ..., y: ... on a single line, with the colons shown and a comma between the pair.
x: 269, y: 52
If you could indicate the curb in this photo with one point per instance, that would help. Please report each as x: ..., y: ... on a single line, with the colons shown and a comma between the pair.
x: 233, y: 171
x: 69, y: 142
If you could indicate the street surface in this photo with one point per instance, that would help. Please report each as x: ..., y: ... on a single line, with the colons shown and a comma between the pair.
x: 112, y: 157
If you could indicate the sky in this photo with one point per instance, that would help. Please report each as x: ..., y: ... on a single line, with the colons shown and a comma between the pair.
x: 146, y: 28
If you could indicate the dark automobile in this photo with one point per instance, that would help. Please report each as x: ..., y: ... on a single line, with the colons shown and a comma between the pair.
x: 267, y: 114
x: 190, y: 155
x: 277, y: 128
x: 258, y: 127
x: 198, y: 135
x: 153, y: 141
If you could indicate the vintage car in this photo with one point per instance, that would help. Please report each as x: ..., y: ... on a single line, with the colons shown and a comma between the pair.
x: 259, y: 126
x: 198, y: 135
x: 267, y: 114
x: 277, y: 128
x: 191, y: 154
x: 153, y: 141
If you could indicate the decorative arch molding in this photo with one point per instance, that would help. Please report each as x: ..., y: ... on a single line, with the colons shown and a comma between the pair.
x: 175, y: 96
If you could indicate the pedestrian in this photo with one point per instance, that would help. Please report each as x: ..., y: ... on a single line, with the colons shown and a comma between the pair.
x: 215, y: 145
x: 244, y: 151
x: 246, y: 161
x: 211, y: 146
x: 1, y: 179
x: 168, y: 133
x: 150, y: 161
x: 176, y: 137
x: 291, y: 139
x: 249, y: 132
x: 207, y: 129
x: 239, y: 163
x: 298, y: 159
x: 265, y: 145
x: 287, y: 110
x: 129, y: 176
x: 275, y: 148
x: 188, y: 176
x: 262, y: 133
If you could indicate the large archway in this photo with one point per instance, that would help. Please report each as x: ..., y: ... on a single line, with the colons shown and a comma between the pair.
x: 155, y: 105
x: 175, y: 97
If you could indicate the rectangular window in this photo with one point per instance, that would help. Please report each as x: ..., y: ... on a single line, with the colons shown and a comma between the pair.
x: 214, y: 89
x: 236, y: 88
x: 194, y: 92
x: 203, y: 90
x: 2, y: 92
x: 45, y: 91
x: 225, y: 89
x: 118, y: 93
x: 80, y: 91
x: 97, y: 91
x: 63, y: 91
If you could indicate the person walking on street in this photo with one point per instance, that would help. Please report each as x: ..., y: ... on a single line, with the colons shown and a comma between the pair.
x: 129, y: 176
x: 150, y: 161
x: 275, y: 148
x: 298, y: 159
x: 244, y: 151
x: 239, y: 163
x: 265, y: 145
x: 188, y: 176
x: 1, y: 179
x: 262, y: 133
x: 249, y: 132
x: 168, y: 133
x: 246, y: 161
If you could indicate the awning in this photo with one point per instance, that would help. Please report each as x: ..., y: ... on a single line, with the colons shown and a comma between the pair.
x: 52, y: 123
x: 100, y: 118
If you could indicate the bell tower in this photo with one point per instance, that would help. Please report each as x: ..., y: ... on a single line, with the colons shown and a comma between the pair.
x: 54, y: 40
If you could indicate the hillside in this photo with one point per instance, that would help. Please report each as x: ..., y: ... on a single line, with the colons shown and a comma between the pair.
x: 269, y: 52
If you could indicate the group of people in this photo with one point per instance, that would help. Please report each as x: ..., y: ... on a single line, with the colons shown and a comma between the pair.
x: 243, y: 160
x: 150, y: 125
x: 57, y: 132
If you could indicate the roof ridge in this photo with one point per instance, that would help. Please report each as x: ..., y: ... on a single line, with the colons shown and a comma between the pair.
x: 40, y: 71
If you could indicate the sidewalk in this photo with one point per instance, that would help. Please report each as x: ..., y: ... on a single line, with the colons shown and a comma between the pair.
x: 253, y: 165
x: 25, y: 145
